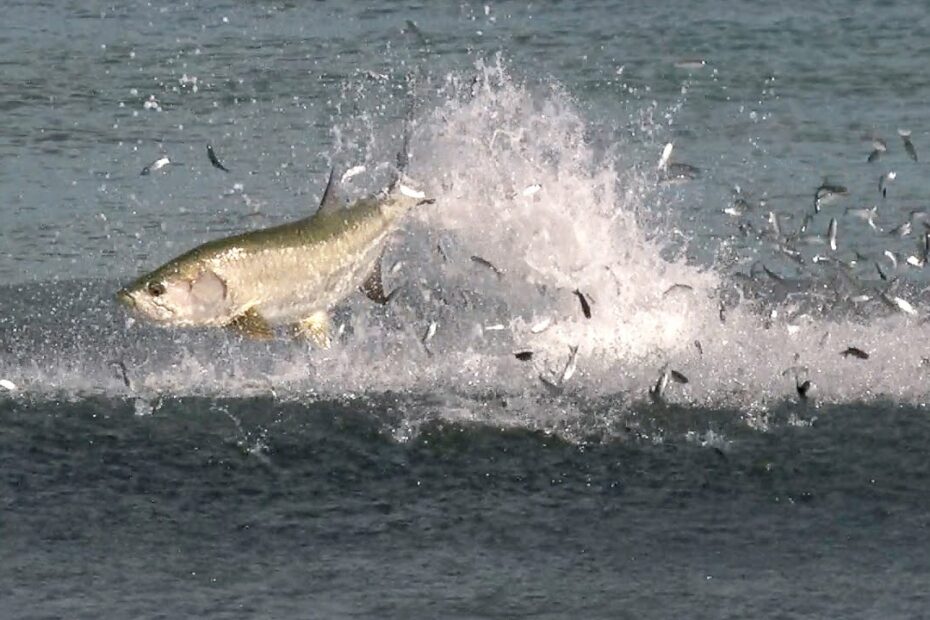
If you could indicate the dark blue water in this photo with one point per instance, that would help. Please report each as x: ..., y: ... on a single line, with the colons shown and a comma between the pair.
x: 109, y: 515
x: 168, y: 473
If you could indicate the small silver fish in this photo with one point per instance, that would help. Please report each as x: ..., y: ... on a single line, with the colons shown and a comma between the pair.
x: 775, y: 224
x: 430, y: 332
x: 855, y: 352
x: 904, y: 305
x: 486, y: 263
x: 679, y: 172
x: 124, y: 374
x: 879, y: 147
x: 908, y: 145
x: 569, y: 371
x: 427, y: 336
x: 211, y: 155
x: 866, y: 214
x: 903, y: 230
x: 735, y: 210
x: 541, y: 326
x: 898, y: 303
x: 657, y: 392
x: 827, y: 192
x: 881, y: 272
x: 677, y: 288
x: 803, y: 387
x: 891, y: 257
x: 924, y: 253
x: 678, y: 376
x: 585, y: 306
x: 773, y: 275
x: 884, y: 180
x: 155, y: 166
x: 690, y: 64
x: 666, y: 153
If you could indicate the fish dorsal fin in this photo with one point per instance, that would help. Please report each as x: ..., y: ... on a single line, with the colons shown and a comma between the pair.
x: 330, y: 202
x: 373, y: 286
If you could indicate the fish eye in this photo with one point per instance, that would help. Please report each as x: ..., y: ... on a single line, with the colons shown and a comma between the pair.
x: 156, y: 289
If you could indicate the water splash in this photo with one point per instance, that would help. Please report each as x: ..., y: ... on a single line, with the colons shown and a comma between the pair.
x: 530, y: 217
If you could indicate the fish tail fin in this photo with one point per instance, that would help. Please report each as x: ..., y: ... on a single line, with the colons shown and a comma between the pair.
x: 403, y: 155
x: 402, y: 185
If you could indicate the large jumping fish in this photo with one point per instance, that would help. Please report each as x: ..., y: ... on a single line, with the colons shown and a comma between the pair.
x: 291, y: 274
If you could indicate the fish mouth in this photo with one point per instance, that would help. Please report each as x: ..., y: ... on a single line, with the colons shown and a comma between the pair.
x: 124, y: 297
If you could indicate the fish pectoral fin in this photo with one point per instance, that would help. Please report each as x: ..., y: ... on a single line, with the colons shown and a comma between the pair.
x: 316, y: 328
x: 373, y: 287
x: 252, y: 324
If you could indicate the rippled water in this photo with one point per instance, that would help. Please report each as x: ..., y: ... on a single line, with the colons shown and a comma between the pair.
x: 169, y: 473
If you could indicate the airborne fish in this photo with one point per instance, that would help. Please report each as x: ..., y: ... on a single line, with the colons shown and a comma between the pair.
x: 855, y: 352
x: 866, y: 214
x: 826, y: 192
x: 292, y: 274
x: 908, y: 145
x: 676, y: 171
x: 156, y: 165
x: 211, y: 155
x: 585, y: 305
x: 884, y: 180
x: 657, y: 392
x: 879, y: 147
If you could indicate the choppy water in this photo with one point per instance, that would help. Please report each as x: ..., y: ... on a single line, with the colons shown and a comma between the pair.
x: 384, y: 478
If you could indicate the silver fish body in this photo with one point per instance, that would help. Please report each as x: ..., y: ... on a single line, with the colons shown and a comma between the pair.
x: 286, y: 274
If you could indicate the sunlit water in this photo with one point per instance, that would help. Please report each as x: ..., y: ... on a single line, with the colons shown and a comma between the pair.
x: 150, y: 472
